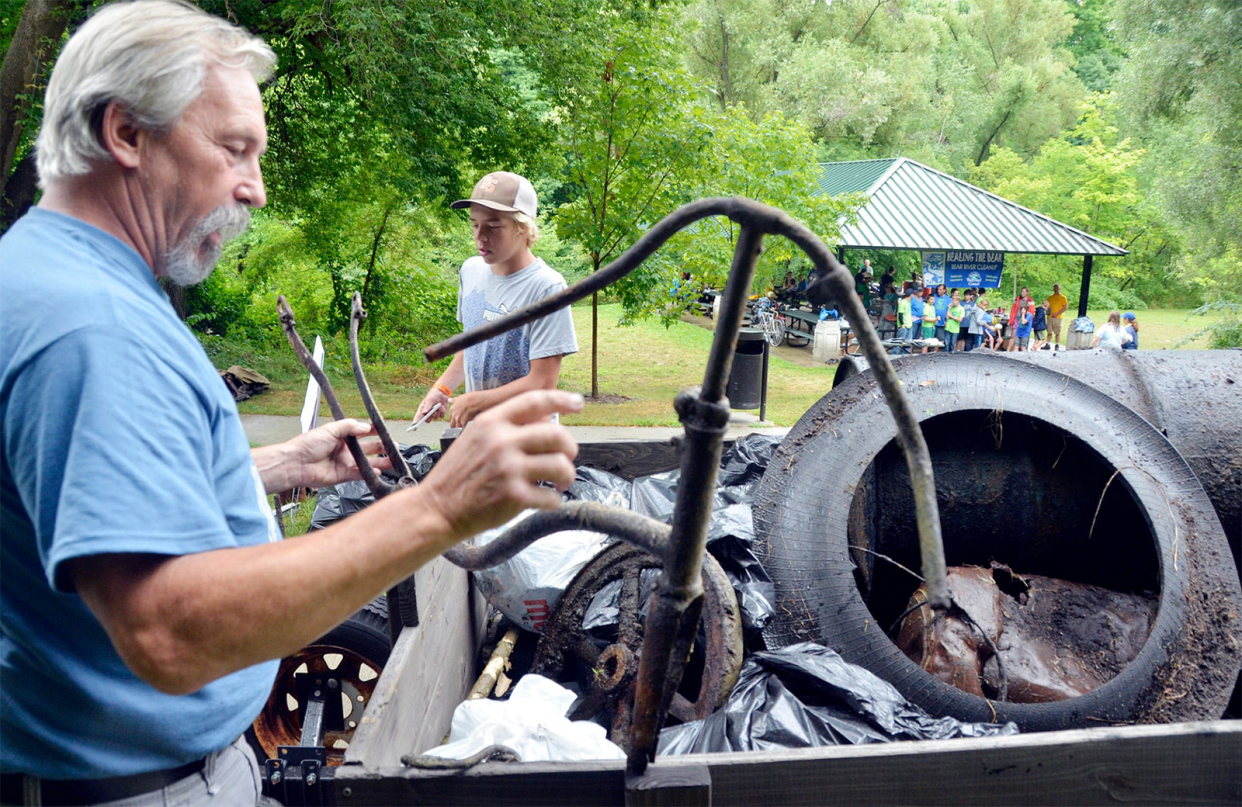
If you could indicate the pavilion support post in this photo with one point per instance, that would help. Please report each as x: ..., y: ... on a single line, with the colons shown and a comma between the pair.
x: 1085, y: 291
x: 841, y: 254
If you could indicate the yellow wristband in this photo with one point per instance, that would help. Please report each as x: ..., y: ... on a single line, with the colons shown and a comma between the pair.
x: 444, y: 389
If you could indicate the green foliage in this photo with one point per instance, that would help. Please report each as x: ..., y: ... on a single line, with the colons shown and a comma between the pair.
x: 770, y: 161
x: 1225, y: 331
x: 1089, y: 177
x: 1182, y: 89
x: 939, y: 81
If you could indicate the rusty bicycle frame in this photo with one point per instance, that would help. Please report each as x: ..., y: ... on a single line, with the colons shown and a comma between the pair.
x: 676, y: 602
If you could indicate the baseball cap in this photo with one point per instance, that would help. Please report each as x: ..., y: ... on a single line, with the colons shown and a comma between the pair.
x: 502, y: 190
x: 1128, y: 315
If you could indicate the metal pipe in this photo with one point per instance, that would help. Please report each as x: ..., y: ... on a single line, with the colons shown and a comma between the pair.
x: 705, y: 416
x: 644, y: 532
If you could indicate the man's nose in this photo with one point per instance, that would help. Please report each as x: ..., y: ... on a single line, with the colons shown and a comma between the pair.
x: 250, y: 191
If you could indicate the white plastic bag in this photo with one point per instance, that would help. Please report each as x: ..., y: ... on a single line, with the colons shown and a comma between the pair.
x: 527, y: 587
x: 532, y: 722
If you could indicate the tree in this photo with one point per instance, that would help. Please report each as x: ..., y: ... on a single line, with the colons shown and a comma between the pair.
x: 629, y: 137
x: 1182, y: 91
x: 30, y: 41
x: 770, y: 161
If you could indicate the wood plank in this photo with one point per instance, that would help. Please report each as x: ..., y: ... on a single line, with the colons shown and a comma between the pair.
x: 666, y: 786
x: 428, y: 673
x: 628, y: 459
x: 1188, y: 763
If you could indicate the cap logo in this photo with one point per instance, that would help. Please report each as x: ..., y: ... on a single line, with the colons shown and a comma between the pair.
x: 491, y: 184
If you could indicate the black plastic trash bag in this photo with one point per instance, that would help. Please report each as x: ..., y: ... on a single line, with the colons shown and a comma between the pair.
x: 746, y: 460
x: 731, y: 540
x: 334, y: 503
x: 806, y: 696
x: 594, y: 485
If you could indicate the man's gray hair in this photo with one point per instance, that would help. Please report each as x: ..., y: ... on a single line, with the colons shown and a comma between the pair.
x: 150, y: 56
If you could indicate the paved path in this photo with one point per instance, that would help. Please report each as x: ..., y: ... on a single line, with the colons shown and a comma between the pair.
x: 264, y: 430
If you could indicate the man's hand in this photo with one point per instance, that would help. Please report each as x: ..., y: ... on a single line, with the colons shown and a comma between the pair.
x: 465, y: 408
x: 318, y: 458
x: 433, y: 397
x: 491, y: 473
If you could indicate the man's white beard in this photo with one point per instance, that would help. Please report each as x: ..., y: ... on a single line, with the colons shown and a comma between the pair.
x: 191, y: 260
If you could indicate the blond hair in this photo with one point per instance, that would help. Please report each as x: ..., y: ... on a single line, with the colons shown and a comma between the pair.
x: 149, y: 56
x: 528, y: 226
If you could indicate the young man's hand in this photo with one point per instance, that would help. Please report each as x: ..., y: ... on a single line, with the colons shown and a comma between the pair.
x: 493, y: 470
x: 433, y: 397
x: 465, y: 408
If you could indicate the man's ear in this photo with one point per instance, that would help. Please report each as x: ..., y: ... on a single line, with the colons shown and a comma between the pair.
x: 119, y: 136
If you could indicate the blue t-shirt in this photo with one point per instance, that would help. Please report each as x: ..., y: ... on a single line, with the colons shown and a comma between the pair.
x: 916, y: 307
x: 117, y: 436
x: 942, y: 309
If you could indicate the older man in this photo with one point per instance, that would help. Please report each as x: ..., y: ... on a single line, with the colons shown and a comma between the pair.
x: 1056, y: 304
x: 145, y: 594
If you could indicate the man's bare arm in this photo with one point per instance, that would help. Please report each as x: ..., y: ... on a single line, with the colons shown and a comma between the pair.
x: 181, y: 622
x: 544, y: 374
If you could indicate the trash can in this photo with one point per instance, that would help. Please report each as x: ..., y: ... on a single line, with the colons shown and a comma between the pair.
x: 827, y: 341
x: 746, y: 378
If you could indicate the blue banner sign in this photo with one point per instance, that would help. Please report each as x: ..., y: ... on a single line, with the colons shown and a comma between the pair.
x: 973, y: 269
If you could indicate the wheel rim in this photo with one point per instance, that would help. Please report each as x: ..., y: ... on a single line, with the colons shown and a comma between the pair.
x: 609, y: 675
x: 280, y: 722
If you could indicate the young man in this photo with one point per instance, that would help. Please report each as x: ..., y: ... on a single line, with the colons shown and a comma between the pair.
x: 502, y: 278
x: 145, y: 595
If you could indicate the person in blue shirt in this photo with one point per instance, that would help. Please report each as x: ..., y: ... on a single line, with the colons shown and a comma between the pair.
x: 942, y: 301
x: 1131, y: 328
x: 1022, y: 329
x: 1039, y: 328
x: 145, y: 595
x: 916, y: 309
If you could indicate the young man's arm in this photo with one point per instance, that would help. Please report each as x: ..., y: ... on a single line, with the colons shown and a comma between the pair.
x: 544, y: 374
x: 449, y: 380
x: 180, y: 622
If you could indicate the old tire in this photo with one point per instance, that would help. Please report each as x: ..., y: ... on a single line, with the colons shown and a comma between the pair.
x: 824, y: 492
x: 357, y: 650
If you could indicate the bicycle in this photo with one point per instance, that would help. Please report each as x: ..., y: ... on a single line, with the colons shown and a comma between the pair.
x: 772, y: 321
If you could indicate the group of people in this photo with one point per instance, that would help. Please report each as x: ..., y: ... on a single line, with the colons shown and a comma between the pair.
x: 1117, y: 334
x: 965, y: 320
x: 146, y: 596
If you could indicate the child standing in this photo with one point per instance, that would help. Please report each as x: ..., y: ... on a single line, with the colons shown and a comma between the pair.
x: 1039, y: 327
x: 953, y: 321
x: 1022, y: 332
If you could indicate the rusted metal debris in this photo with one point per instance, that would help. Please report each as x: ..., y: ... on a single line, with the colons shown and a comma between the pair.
x: 607, y: 676
x: 677, y: 601
x: 1055, y: 639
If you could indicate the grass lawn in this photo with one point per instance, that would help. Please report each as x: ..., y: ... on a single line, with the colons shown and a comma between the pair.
x: 1158, y: 329
x: 642, y: 367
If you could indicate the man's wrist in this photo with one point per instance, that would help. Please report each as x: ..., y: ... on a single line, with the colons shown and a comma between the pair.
x: 442, y: 388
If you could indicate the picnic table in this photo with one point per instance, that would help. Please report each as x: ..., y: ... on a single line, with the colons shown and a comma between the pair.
x: 806, y: 319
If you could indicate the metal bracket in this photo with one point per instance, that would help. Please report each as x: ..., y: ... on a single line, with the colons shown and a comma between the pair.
x: 300, y: 774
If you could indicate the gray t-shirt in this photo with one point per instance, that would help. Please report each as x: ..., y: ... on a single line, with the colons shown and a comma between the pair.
x: 484, y: 296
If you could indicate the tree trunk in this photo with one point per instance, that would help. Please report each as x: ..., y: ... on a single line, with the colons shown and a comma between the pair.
x: 19, y: 194
x: 34, y: 45
x: 595, y: 346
